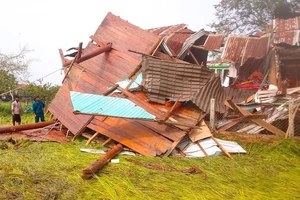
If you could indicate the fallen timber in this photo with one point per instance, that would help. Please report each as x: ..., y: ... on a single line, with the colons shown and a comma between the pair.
x: 10, y: 129
x: 93, y: 168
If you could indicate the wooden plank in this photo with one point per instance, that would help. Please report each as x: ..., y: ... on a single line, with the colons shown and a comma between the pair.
x: 259, y: 122
x: 175, y: 106
x: 92, y: 138
x: 132, y: 135
x: 221, y: 147
x: 174, y: 145
x: 194, y: 58
x: 201, y: 148
x: 201, y: 133
x: 169, y: 132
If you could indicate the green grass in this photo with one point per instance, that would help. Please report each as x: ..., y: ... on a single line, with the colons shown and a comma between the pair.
x: 52, y: 171
x: 6, y: 118
x: 34, y: 170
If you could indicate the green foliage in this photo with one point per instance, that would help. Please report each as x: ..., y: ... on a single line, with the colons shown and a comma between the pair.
x: 245, y: 16
x: 51, y: 171
x: 46, y: 92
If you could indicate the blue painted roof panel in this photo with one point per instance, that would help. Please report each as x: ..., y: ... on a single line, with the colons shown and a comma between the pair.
x: 136, y: 83
x: 107, y: 106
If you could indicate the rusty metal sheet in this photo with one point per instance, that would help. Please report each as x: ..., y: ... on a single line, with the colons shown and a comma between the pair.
x: 234, y: 47
x: 168, y: 80
x: 167, y: 30
x: 249, y: 52
x: 287, y: 37
x: 176, y: 41
x: 113, y: 66
x: 212, y: 89
x: 287, y: 30
x: 237, y: 95
x: 190, y: 42
x: 254, y: 56
x: 214, y: 41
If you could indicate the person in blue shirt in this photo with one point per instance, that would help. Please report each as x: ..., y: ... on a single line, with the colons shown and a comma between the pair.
x: 38, y: 109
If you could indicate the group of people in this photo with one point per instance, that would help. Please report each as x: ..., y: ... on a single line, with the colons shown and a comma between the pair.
x: 37, y: 108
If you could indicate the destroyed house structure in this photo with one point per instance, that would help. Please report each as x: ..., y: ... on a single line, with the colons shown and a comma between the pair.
x: 285, y: 54
x: 144, y: 89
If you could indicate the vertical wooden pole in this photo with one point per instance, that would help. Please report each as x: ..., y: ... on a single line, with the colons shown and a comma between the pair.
x: 291, y: 127
x: 212, y: 114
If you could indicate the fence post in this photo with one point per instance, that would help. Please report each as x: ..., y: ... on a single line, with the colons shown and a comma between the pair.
x: 291, y: 118
x: 212, y: 114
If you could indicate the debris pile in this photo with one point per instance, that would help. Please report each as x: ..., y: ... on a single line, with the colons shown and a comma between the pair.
x: 151, y: 90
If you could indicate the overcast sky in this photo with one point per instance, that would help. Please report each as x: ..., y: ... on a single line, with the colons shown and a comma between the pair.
x: 46, y: 26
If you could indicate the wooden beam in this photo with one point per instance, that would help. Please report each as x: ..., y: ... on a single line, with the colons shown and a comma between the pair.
x: 201, y: 148
x: 92, y: 138
x: 173, y: 146
x: 221, y: 147
x: 259, y: 122
x: 175, y: 106
x: 106, y: 141
x: 93, y: 53
x: 66, y: 75
x: 194, y: 58
x: 93, y: 168
x: 79, y: 50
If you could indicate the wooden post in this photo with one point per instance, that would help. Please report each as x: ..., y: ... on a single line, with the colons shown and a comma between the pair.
x: 93, y: 168
x: 291, y: 127
x: 212, y: 114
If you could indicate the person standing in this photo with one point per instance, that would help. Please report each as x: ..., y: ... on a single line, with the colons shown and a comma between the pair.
x: 16, y: 111
x: 38, y: 109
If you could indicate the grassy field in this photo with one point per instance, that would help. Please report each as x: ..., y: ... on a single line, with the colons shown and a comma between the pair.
x: 6, y: 118
x: 32, y: 170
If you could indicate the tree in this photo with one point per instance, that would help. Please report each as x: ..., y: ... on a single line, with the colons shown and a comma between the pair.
x: 7, y: 81
x: 13, y: 68
x: 246, y: 16
x: 46, y: 92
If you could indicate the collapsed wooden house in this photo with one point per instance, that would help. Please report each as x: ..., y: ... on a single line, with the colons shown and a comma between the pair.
x: 161, y: 71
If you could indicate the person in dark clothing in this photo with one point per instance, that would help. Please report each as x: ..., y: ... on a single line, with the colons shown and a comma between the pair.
x: 38, y: 109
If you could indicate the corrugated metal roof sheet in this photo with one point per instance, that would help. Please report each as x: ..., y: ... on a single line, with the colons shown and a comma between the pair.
x: 176, y: 40
x: 107, y: 106
x: 169, y: 80
x: 212, y: 89
x: 287, y: 30
x: 189, y: 43
x: 166, y: 30
x: 214, y: 41
x: 234, y: 47
x: 249, y: 52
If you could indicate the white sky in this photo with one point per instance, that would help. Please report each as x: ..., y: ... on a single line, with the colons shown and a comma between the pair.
x: 46, y: 26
